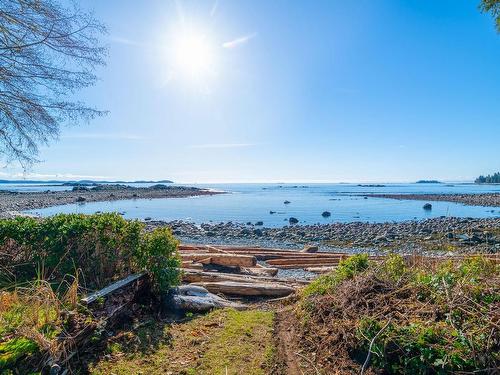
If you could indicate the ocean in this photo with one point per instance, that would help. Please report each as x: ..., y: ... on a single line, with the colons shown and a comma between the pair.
x: 253, y: 202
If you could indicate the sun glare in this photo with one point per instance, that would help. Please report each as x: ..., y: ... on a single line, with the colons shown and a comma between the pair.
x: 193, y: 54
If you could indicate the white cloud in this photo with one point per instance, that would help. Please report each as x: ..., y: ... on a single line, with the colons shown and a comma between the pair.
x: 224, y: 145
x: 239, y: 41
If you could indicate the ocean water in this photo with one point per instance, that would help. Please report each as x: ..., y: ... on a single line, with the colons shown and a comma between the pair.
x: 253, y: 202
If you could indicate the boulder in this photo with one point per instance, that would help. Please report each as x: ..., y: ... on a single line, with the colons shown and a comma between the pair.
x: 287, y: 202
x: 293, y: 220
x: 427, y: 206
x: 81, y: 199
x: 326, y: 214
x: 259, y: 223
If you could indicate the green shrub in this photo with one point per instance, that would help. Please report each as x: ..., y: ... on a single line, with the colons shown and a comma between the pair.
x: 157, y: 254
x: 419, y: 347
x: 393, y: 268
x: 101, y: 247
x: 346, y: 269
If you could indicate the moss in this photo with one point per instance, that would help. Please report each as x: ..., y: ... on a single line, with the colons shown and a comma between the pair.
x: 14, y: 349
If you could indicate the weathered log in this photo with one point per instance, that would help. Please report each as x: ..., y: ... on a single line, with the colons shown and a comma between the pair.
x: 324, y: 269
x: 112, y: 288
x: 192, y: 265
x: 191, y: 298
x: 233, y: 288
x: 259, y: 271
x: 192, y: 276
x: 223, y: 259
x: 303, y: 265
x: 274, y: 262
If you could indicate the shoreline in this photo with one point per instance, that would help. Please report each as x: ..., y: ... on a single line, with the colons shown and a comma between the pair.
x: 436, y: 234
x: 480, y: 199
x: 448, y: 234
x: 12, y: 202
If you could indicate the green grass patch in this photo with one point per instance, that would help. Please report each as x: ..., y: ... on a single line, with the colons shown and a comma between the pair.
x: 239, y: 342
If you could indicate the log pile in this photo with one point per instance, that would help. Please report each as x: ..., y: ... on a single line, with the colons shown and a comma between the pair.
x: 250, y: 271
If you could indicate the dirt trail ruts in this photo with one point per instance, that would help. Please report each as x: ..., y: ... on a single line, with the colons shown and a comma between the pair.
x: 287, y: 348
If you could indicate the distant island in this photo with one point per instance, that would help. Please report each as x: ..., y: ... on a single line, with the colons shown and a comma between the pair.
x: 489, y: 179
x: 82, y: 182
x: 428, y: 182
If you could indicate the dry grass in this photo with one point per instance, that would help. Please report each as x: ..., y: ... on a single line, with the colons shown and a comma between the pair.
x: 36, y: 315
x: 425, y: 316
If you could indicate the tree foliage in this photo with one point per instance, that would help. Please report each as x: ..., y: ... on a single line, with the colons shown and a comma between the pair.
x: 489, y: 179
x: 492, y: 7
x: 47, y: 53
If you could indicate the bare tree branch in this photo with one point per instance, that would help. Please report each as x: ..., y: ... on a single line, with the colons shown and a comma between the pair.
x: 47, y: 53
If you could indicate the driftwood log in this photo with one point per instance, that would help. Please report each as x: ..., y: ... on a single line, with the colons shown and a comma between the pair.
x: 234, y: 288
x: 233, y: 260
x: 193, y: 276
x: 192, y: 298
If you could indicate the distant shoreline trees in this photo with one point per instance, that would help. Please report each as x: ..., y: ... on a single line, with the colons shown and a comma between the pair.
x: 489, y: 179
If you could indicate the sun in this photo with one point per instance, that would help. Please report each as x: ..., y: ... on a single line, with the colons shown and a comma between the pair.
x: 193, y: 54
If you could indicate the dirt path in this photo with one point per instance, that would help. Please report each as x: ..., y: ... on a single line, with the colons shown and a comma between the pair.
x: 286, y: 344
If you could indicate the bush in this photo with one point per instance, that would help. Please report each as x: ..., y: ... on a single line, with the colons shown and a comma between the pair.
x: 346, y: 269
x: 101, y: 247
x: 157, y: 254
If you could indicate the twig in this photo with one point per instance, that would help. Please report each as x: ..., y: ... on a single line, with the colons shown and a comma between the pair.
x: 367, y: 360
x: 310, y: 362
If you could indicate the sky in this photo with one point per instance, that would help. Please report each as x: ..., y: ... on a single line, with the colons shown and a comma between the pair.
x: 287, y: 91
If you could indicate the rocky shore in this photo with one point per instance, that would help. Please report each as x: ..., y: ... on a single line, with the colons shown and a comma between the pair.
x: 484, y: 199
x: 438, y: 234
x: 12, y: 202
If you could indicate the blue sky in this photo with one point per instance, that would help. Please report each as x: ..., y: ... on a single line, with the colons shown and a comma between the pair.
x: 319, y: 91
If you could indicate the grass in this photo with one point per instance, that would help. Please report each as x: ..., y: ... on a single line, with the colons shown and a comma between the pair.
x: 224, y: 341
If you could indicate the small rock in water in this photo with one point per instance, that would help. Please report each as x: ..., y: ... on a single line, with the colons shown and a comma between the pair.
x: 427, y: 206
x: 287, y: 202
x: 259, y: 223
x: 293, y: 220
x: 147, y: 219
x: 326, y: 214
x: 272, y: 212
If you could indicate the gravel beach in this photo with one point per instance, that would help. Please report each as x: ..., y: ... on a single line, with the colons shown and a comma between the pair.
x: 486, y: 199
x: 11, y: 202
x: 438, y: 234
